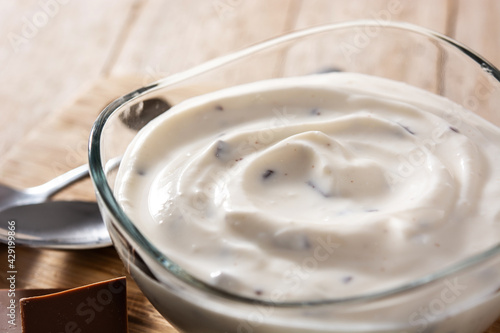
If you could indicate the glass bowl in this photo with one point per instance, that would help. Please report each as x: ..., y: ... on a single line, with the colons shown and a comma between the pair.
x: 460, y: 298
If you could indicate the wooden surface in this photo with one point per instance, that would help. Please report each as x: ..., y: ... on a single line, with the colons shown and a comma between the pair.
x: 58, y: 74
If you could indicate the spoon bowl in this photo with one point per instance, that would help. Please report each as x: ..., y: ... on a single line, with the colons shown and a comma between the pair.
x: 52, y: 224
x: 59, y: 225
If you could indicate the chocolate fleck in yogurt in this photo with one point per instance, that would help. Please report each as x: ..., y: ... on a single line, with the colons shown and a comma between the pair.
x: 319, y: 187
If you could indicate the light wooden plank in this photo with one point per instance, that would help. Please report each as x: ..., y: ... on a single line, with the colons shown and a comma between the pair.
x: 478, y: 26
x: 427, y: 13
x: 171, y: 36
x: 49, y: 50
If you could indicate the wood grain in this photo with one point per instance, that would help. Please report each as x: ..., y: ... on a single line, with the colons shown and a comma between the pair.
x: 48, y: 53
x: 59, y: 143
x: 427, y: 13
x: 169, y: 38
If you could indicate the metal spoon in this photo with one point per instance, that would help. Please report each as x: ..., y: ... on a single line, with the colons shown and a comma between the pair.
x: 10, y: 197
x: 56, y: 225
x: 52, y: 224
x: 65, y: 224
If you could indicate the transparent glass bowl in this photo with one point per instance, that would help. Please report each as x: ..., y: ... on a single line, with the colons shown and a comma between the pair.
x: 462, y: 298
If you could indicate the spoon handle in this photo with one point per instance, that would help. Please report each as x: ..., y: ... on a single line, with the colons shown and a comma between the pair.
x: 60, y: 182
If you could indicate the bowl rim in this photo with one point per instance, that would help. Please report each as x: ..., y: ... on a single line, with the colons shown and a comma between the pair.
x: 108, y: 202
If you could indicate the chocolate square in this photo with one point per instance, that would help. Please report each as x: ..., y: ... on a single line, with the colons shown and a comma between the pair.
x: 9, y: 305
x: 96, y: 308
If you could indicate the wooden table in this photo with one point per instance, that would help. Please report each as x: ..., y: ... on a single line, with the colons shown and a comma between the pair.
x: 61, y: 59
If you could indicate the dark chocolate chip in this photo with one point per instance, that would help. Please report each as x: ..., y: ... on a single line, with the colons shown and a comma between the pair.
x: 313, y: 186
x: 292, y: 241
x: 315, y: 112
x: 407, y: 129
x: 258, y: 292
x: 454, y: 129
x: 141, y: 172
x: 331, y: 69
x: 222, y: 148
x: 305, y: 242
x: 268, y: 173
x: 219, y: 108
x: 141, y: 113
x: 347, y: 279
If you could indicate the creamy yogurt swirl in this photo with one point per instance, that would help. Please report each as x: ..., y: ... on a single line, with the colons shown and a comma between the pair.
x: 315, y: 187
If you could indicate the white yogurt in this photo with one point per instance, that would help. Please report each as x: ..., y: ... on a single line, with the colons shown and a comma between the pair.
x: 317, y: 187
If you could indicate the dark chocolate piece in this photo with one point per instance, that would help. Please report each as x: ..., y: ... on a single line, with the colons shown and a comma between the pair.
x: 268, y: 173
x: 9, y: 304
x: 454, y: 129
x: 141, y: 172
x: 96, y: 308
